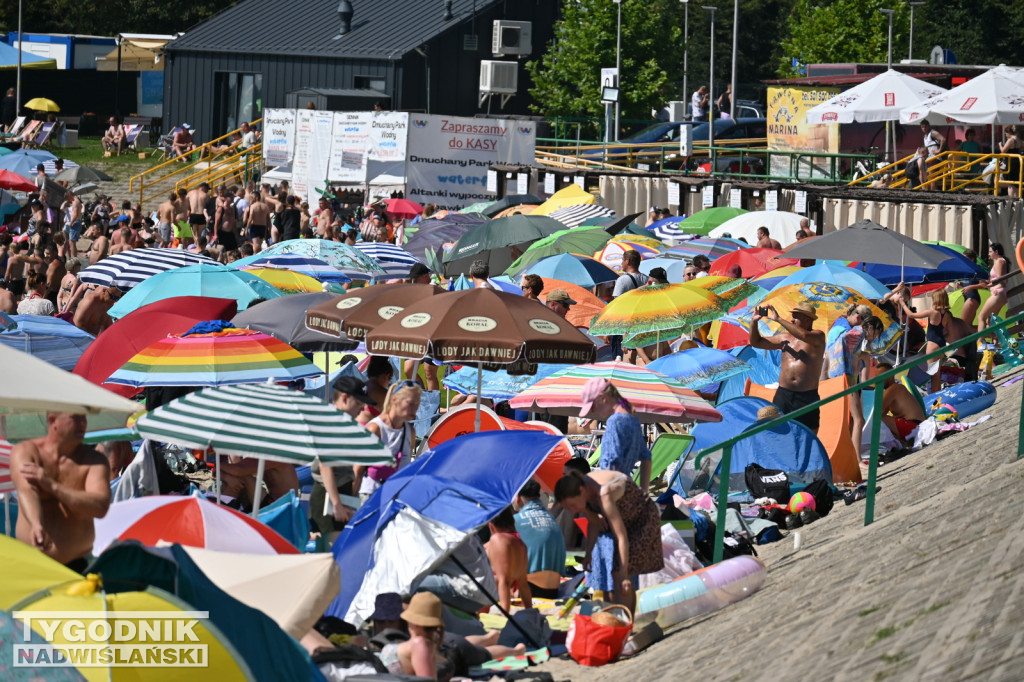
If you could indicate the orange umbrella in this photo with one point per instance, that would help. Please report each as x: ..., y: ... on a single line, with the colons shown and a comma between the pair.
x: 587, y: 304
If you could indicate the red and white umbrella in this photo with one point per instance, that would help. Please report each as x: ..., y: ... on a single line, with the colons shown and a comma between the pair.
x: 6, y: 484
x: 190, y: 521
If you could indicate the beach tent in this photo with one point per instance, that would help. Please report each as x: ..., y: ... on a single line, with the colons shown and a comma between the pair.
x: 764, y: 369
x: 9, y: 59
x: 790, y: 447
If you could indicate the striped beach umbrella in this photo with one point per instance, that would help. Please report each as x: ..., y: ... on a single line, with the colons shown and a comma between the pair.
x: 771, y: 279
x: 287, y: 281
x: 731, y: 290
x: 128, y: 268
x: 668, y: 228
x: 216, y: 358
x: 51, y: 339
x: 655, y: 396
x: 319, y: 270
x: 266, y: 421
x: 6, y: 484
x: 395, y: 260
x: 573, y: 216
x: 702, y: 246
x: 345, y: 258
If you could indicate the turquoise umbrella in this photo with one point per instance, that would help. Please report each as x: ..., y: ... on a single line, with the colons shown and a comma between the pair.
x: 833, y: 272
x: 348, y: 259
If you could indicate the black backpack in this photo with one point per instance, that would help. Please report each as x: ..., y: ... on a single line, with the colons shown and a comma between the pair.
x: 912, y: 171
x: 821, y: 491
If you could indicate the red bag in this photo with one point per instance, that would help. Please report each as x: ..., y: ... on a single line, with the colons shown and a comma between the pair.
x: 593, y: 644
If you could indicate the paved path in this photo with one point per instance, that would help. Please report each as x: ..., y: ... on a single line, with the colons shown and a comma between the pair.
x: 933, y: 590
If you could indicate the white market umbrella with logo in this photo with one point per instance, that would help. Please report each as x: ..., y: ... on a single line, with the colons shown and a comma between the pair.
x: 996, y: 96
x: 878, y: 99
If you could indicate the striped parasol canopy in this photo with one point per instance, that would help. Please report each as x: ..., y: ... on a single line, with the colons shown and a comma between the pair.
x: 214, y: 358
x: 703, y: 246
x: 668, y: 228
x: 396, y: 261
x: 730, y: 290
x: 611, y: 254
x: 48, y: 338
x: 319, y: 270
x: 287, y: 281
x: 345, y: 258
x: 660, y: 311
x: 573, y: 216
x: 6, y: 484
x: 266, y: 421
x: 655, y: 396
x: 128, y: 268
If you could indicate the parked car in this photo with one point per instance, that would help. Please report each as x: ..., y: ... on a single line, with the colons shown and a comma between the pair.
x: 666, y: 132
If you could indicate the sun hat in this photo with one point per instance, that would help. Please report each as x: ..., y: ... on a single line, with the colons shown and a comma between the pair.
x: 424, y: 610
x: 353, y: 387
x: 417, y: 270
x: 560, y: 296
x: 591, y: 390
x: 768, y: 412
x: 387, y: 606
x: 805, y: 308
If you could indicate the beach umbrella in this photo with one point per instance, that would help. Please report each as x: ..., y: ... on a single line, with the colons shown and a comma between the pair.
x: 573, y: 216
x: 51, y: 339
x: 348, y: 259
x: 655, y: 396
x: 868, y: 242
x: 26, y: 570
x: 284, y: 318
x: 616, y: 225
x: 584, y: 240
x: 427, y: 241
x: 6, y: 482
x: 404, y: 208
x: 878, y: 99
x: 730, y: 291
x: 570, y: 195
x: 15, y: 182
x: 490, y: 241
x: 13, y: 635
x: 478, y: 207
x: 500, y: 283
x: 196, y: 280
x: 221, y: 356
x: 508, y: 201
x: 583, y: 271
x: 311, y: 267
x: 752, y: 262
x: 41, y: 104
x: 79, y: 175
x: 660, y: 311
x: 396, y: 261
x: 674, y: 267
x: 287, y: 281
x: 837, y: 273
x: 587, y: 304
x: 782, y: 226
x: 702, y: 222
x: 611, y: 254
x: 127, y: 269
x: 698, y: 367
x: 959, y: 248
x: 150, y: 323
x: 497, y: 385
x: 24, y: 161
x: 996, y: 96
x: 703, y: 246
x: 357, y: 312
x: 957, y: 266
x: 768, y: 280
x: 668, y: 228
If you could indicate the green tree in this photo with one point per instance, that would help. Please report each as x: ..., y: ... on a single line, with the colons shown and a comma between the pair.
x: 108, y: 17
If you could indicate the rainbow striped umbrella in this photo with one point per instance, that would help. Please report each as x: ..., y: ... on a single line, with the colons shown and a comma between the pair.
x: 703, y: 246
x: 660, y: 311
x: 654, y: 396
x: 214, y: 358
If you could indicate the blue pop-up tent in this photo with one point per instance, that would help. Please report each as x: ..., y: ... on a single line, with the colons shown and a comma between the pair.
x: 9, y: 59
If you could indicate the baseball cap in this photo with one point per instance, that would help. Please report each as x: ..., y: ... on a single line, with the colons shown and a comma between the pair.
x: 591, y: 390
x: 418, y: 270
x: 559, y: 296
x: 805, y: 308
x: 353, y: 387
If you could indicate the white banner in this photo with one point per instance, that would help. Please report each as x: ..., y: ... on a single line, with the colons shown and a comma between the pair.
x: 278, y: 136
x: 300, y: 157
x: 350, y: 138
x: 708, y: 196
x: 673, y: 194
x: 448, y: 157
x: 319, y: 151
x: 736, y: 198
x: 389, y: 136
x: 800, y: 204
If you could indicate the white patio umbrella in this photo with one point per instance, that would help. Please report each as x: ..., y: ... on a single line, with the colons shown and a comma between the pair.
x: 782, y: 226
x: 996, y: 96
x: 878, y: 99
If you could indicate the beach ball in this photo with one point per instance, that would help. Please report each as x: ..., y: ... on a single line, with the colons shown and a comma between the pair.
x: 944, y: 412
x: 801, y: 501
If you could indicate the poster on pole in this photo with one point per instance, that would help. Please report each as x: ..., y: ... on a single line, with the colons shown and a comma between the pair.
x: 708, y: 196
x: 673, y: 194
x: 448, y: 157
x: 319, y: 150
x: 388, y: 135
x: 800, y: 202
x: 278, y: 136
x: 736, y: 198
x: 771, y: 201
x: 300, y: 157
x: 350, y: 136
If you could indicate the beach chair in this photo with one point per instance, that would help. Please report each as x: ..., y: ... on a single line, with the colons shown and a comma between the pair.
x: 28, y: 132
x: 43, y: 136
x: 667, y: 448
x: 131, y: 137
x: 16, y: 127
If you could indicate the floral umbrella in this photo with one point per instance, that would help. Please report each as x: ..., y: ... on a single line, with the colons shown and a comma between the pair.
x: 698, y: 367
x: 348, y: 259
x: 660, y: 311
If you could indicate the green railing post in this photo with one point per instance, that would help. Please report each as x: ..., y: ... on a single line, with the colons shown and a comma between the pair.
x: 725, y: 466
x: 876, y: 436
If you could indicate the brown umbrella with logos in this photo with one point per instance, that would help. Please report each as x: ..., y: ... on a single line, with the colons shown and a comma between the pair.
x: 482, y: 327
x: 359, y: 311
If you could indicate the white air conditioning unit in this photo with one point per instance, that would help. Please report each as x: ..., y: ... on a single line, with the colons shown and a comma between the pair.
x: 511, y: 37
x: 499, y: 77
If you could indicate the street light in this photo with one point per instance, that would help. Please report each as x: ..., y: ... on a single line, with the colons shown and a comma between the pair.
x: 910, y: 51
x: 618, y: 66
x: 711, y: 89
x: 732, y: 82
x: 686, y: 50
x: 888, y: 124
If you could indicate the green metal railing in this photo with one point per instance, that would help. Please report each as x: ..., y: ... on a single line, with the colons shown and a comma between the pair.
x: 876, y: 428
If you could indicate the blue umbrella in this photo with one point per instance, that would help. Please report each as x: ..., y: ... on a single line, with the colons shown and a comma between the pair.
x: 834, y: 272
x: 24, y: 161
x: 50, y: 339
x: 668, y: 228
x: 698, y: 367
x: 582, y: 271
x: 954, y: 268
x: 7, y: 322
x: 396, y: 261
x: 499, y: 385
x: 674, y: 267
x: 426, y: 510
x: 461, y: 283
x: 306, y: 265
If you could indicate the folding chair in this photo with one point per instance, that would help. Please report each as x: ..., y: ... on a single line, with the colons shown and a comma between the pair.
x: 16, y: 127
x: 28, y: 132
x: 132, y: 133
x: 667, y: 448
x: 43, y: 136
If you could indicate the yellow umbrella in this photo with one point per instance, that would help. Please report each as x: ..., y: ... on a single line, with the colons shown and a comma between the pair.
x: 288, y: 281
x: 572, y: 195
x: 26, y: 570
x: 41, y: 104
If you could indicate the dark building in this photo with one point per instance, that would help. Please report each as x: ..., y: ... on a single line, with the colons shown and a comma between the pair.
x: 411, y: 55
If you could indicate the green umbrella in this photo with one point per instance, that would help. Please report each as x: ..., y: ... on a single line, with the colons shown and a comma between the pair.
x: 478, y: 207
x: 704, y: 221
x: 959, y: 249
x: 491, y: 241
x: 582, y: 240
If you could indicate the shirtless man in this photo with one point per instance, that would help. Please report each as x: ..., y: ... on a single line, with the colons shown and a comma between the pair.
x: 805, y: 231
x: 68, y: 284
x: 114, y: 137
x: 803, y: 351
x: 901, y: 412
x: 100, y: 247
x: 91, y: 313
x: 122, y: 241
x: 325, y: 220
x: 74, y: 211
x: 509, y: 559
x: 62, y: 486
x: 165, y: 220
x: 257, y: 221
x: 182, y: 143
x: 197, y: 199
x: 15, y: 275
x: 764, y: 241
x: 55, y: 272
x: 7, y: 303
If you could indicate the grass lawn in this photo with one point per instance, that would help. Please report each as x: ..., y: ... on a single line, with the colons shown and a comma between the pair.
x: 89, y: 152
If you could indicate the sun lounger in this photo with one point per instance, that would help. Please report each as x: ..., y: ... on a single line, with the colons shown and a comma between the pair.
x: 667, y: 448
x: 28, y: 132
x: 43, y: 136
x: 132, y: 133
x: 16, y: 127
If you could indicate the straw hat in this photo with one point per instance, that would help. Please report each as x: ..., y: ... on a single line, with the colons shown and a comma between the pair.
x: 805, y: 308
x: 424, y: 610
x: 768, y: 412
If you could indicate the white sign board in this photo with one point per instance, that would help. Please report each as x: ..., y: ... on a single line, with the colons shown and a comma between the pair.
x: 800, y: 203
x: 580, y: 181
x: 492, y: 181
x: 448, y: 157
x: 300, y: 157
x: 736, y: 198
x: 673, y: 194
x: 350, y: 137
x: 549, y: 184
x: 388, y: 136
x: 523, y: 183
x: 771, y: 201
x: 708, y: 196
x: 278, y: 136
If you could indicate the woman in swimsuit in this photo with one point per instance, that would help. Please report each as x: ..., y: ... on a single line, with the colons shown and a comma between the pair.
x: 940, y: 322
x: 995, y: 286
x: 378, y: 374
x: 418, y: 655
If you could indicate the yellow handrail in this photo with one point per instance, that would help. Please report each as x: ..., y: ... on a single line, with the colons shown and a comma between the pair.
x: 955, y: 171
x: 220, y: 168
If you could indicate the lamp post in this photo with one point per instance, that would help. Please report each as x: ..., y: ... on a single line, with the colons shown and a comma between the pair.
x: 910, y: 50
x: 888, y: 124
x: 21, y: 44
x: 732, y: 82
x: 711, y: 88
x: 686, y: 50
x: 618, y: 67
